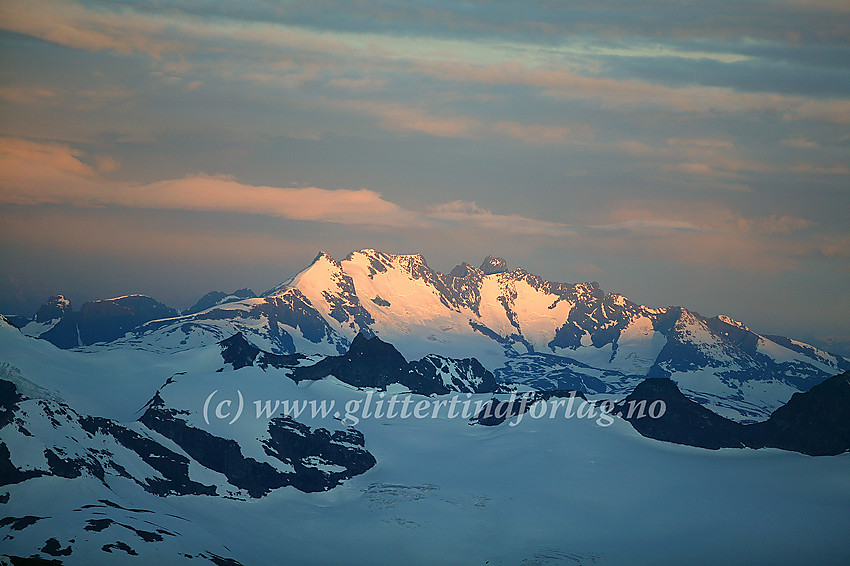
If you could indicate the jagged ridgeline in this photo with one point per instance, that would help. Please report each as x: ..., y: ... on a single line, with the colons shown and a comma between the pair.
x: 519, y: 326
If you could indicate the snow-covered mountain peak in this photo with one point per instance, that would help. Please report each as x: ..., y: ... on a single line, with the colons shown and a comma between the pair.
x: 323, y: 270
x: 512, y: 321
x: 376, y: 261
x: 732, y: 321
x: 322, y: 264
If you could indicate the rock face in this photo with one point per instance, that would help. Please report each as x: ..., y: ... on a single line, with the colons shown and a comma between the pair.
x: 215, y: 298
x: 97, y: 321
x: 496, y: 411
x: 82, y: 463
x: 74, y: 445
x: 683, y: 421
x: 54, y: 308
x: 371, y: 362
x: 311, y: 459
x: 492, y: 265
x: 303, y: 451
x: 816, y: 423
x: 109, y: 319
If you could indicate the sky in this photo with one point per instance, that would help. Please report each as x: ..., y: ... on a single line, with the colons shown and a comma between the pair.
x: 691, y: 153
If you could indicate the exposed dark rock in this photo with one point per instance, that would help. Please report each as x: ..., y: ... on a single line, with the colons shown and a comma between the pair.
x: 53, y: 548
x: 53, y: 308
x: 33, y: 561
x: 816, y: 422
x: 239, y: 353
x: 9, y: 398
x: 594, y: 313
x: 64, y: 333
x: 17, y: 320
x: 289, y: 441
x: 98, y: 321
x: 118, y: 545
x: 743, y: 338
x: 215, y: 298
x: 173, y: 467
x: 20, y: 523
x: 220, y: 560
x: 104, y: 503
x: 73, y: 467
x: 98, y: 525
x: 683, y: 421
x: 371, y: 362
x: 497, y: 411
x: 216, y: 453
x: 9, y: 473
x: 466, y: 375
x: 305, y: 449
x: 461, y: 270
x: 492, y: 265
x: 109, y: 319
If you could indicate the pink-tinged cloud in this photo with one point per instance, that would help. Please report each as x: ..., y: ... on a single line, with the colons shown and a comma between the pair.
x: 54, y: 157
x: 703, y: 233
x: 464, y: 213
x: 37, y: 173
x: 362, y: 84
x: 541, y: 134
x: 704, y: 216
x: 396, y: 117
x: 71, y: 24
x: 563, y: 84
x: 74, y: 25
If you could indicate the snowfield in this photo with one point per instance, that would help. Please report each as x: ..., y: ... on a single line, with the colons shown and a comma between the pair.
x: 442, y: 491
x: 176, y: 444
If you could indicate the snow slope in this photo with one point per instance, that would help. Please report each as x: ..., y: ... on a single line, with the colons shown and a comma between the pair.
x: 546, y: 491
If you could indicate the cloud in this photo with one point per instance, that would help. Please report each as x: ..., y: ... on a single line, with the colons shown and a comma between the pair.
x: 564, y: 84
x: 33, y: 95
x: 71, y: 24
x: 361, y: 84
x: 704, y: 233
x: 702, y: 216
x: 397, y: 117
x: 33, y: 173
x: 664, y: 226
x: 447, y: 55
x: 20, y: 157
x: 799, y: 143
x: 539, y: 134
x: 464, y: 213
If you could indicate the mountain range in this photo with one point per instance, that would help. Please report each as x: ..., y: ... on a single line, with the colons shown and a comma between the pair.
x: 251, y: 430
x: 521, y: 327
